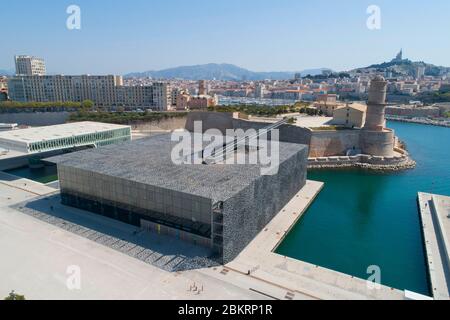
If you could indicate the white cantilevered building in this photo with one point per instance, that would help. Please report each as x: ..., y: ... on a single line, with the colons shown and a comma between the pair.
x: 59, y: 137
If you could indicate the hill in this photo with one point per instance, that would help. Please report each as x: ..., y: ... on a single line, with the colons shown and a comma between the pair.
x: 404, y: 67
x: 212, y: 71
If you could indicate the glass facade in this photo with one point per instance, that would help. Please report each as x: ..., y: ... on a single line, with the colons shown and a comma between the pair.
x: 133, y: 215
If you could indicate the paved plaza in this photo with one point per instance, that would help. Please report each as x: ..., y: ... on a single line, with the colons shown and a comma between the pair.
x: 38, y: 249
x: 41, y: 241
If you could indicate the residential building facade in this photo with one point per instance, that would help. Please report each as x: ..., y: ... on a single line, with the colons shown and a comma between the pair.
x: 201, y: 102
x: 104, y: 91
x: 29, y: 66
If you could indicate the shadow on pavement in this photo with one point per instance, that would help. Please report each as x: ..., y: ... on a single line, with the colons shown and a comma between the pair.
x: 162, y: 251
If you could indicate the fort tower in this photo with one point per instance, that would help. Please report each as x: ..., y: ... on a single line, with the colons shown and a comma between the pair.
x: 376, y: 139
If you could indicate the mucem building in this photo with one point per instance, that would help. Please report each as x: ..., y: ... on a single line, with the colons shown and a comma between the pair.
x: 221, y: 206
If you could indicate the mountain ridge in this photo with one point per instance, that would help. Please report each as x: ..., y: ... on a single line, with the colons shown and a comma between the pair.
x: 223, y: 71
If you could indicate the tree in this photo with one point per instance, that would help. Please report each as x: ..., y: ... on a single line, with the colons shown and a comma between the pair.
x: 15, y: 296
x: 292, y: 120
x: 87, y: 104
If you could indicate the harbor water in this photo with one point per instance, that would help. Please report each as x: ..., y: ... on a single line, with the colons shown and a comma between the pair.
x: 363, y: 219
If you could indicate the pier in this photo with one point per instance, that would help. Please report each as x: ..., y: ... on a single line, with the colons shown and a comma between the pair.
x: 435, y: 213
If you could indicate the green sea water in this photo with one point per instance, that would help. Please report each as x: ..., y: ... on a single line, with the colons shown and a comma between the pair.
x: 362, y: 218
x: 44, y: 175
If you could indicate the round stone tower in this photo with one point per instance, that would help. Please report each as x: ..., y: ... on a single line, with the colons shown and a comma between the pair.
x: 376, y: 106
x: 376, y: 139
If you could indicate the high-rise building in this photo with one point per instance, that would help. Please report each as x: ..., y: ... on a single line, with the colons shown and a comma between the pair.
x: 29, y: 66
x: 104, y: 91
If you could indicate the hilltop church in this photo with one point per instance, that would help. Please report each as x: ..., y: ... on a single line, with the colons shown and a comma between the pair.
x: 399, y: 57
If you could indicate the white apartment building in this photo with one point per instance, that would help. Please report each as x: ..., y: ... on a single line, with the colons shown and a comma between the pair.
x: 29, y: 66
x: 104, y: 91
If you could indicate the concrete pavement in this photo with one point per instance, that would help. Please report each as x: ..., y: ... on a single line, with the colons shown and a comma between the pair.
x: 37, y: 259
x: 434, y: 211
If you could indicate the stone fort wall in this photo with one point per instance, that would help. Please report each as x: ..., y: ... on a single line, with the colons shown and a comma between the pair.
x: 223, y: 121
x: 333, y: 143
x: 321, y: 143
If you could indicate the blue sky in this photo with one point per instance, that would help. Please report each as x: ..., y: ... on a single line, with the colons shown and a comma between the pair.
x: 261, y: 35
